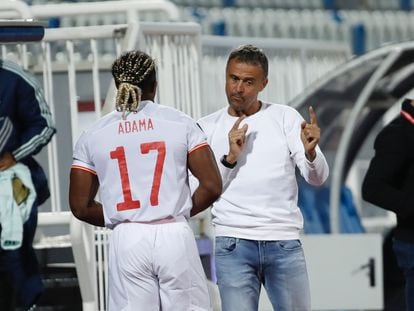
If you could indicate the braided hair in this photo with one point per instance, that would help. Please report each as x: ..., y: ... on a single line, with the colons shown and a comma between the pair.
x: 134, y: 73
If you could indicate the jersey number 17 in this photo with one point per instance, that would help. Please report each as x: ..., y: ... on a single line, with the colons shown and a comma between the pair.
x: 119, y: 155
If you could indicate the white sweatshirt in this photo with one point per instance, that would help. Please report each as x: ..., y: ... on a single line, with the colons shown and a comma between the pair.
x: 259, y: 199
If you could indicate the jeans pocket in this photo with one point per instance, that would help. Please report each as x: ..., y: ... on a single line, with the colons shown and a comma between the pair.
x: 225, y: 245
x: 290, y: 245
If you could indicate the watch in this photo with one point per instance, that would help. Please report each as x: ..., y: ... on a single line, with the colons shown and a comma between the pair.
x: 227, y: 164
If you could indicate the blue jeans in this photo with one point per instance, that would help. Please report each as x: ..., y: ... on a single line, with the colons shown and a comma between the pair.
x: 243, y: 265
x: 404, y: 253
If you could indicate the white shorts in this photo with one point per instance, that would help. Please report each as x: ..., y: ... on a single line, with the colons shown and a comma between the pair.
x: 155, y: 267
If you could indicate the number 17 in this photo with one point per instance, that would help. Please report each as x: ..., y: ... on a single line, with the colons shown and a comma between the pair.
x: 119, y: 154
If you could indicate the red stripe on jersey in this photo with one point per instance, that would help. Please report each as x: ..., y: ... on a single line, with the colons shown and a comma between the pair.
x: 407, y: 116
x: 83, y: 169
x: 205, y: 144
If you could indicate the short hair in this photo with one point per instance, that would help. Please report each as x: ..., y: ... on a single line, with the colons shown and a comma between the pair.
x: 133, y: 73
x: 250, y: 54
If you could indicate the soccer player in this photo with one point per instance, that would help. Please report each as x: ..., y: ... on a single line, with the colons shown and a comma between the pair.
x: 138, y: 156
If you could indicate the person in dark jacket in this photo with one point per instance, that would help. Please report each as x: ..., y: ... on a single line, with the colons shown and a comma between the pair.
x: 26, y: 126
x: 389, y: 184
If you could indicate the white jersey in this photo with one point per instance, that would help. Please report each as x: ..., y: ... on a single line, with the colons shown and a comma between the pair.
x: 259, y: 199
x: 141, y: 162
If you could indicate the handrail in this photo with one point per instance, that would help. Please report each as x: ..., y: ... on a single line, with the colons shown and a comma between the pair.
x: 73, y: 33
x: 17, y: 6
x: 54, y: 218
x: 86, y: 8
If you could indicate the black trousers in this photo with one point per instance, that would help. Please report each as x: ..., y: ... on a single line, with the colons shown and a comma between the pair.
x: 20, y: 281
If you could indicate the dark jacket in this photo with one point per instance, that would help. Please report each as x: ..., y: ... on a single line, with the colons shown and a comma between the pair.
x: 26, y: 125
x: 389, y: 181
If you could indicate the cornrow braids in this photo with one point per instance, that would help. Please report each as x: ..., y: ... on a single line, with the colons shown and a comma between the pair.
x: 131, y: 72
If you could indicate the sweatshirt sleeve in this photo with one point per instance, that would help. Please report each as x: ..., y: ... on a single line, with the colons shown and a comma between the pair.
x: 35, y: 119
x: 317, y: 171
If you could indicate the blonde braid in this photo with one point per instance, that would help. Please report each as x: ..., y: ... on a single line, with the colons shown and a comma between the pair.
x: 128, y: 97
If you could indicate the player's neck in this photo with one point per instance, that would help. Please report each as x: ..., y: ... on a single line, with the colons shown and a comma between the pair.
x: 146, y: 97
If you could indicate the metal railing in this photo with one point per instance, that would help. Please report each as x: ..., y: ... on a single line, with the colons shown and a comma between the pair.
x: 12, y: 9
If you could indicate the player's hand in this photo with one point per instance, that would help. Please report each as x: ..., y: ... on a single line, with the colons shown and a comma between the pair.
x: 237, y: 139
x: 310, y: 135
x: 6, y: 160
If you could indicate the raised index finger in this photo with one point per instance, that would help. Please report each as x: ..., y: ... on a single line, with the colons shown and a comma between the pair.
x: 312, y: 116
x: 237, y: 123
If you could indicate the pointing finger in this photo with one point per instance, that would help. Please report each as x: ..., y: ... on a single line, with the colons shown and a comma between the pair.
x: 312, y: 115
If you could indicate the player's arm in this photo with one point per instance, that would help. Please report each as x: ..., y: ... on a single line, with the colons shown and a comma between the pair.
x: 203, y: 166
x: 83, y: 187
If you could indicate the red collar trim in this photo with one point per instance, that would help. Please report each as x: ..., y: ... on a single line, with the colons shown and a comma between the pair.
x: 407, y: 116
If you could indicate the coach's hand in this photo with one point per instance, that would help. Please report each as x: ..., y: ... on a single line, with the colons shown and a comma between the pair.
x: 237, y: 139
x: 310, y: 135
